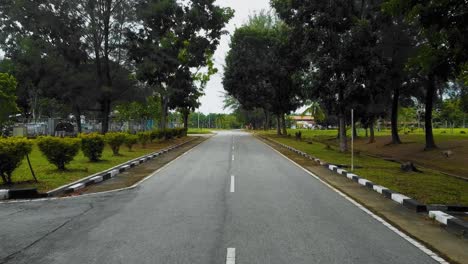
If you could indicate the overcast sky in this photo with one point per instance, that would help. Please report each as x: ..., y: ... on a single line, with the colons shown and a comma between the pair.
x: 212, y: 102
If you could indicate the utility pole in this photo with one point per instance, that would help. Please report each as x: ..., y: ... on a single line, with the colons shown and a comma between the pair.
x: 352, y: 140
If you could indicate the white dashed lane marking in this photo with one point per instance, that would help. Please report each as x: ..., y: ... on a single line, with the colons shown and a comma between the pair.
x: 231, y: 256
x: 233, y: 182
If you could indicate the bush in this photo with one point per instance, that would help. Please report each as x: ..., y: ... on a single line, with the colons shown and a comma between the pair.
x: 115, y: 140
x: 144, y: 138
x: 92, y: 146
x: 59, y: 151
x: 131, y: 140
x: 12, y: 152
x: 157, y: 134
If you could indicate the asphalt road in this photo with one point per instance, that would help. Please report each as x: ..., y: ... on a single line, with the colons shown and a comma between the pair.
x: 231, y: 199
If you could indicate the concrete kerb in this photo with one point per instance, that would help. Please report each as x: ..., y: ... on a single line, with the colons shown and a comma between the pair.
x: 452, y: 223
x: 6, y: 194
x: 111, y: 173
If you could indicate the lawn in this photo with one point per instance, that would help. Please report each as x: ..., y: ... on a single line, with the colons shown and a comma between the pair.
x: 412, y: 148
x: 431, y: 187
x: 50, y: 178
x: 200, y: 131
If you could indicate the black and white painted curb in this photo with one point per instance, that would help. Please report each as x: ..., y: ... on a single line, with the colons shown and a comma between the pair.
x: 90, y: 180
x: 452, y: 223
x: 6, y: 194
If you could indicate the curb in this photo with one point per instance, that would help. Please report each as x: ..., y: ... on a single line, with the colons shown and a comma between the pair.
x: 452, y: 223
x: 28, y: 193
x: 6, y: 194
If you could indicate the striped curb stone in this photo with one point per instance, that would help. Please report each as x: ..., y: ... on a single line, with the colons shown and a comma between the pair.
x: 453, y: 224
x: 6, y: 194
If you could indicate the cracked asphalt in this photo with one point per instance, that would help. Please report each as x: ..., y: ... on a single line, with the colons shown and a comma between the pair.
x: 189, y: 213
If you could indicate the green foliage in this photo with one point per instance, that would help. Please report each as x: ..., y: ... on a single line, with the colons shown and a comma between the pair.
x: 12, y: 152
x: 150, y: 109
x: 92, y: 146
x: 115, y: 140
x: 144, y: 137
x: 7, y: 96
x: 156, y: 134
x: 131, y: 140
x: 59, y: 151
x: 316, y: 110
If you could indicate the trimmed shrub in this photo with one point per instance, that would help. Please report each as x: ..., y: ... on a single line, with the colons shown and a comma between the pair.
x: 92, y: 146
x: 12, y: 152
x: 115, y: 140
x: 131, y: 140
x: 157, y: 134
x: 144, y: 138
x: 59, y: 151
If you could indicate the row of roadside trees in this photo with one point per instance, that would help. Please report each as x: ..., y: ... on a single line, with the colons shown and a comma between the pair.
x: 88, y: 56
x: 370, y: 56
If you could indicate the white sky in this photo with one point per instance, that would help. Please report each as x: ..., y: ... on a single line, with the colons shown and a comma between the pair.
x: 212, y: 102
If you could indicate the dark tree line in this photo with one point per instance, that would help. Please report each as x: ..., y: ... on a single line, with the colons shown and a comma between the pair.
x: 90, y: 55
x: 372, y: 56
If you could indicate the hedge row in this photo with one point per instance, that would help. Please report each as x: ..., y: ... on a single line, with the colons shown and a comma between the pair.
x: 61, y: 151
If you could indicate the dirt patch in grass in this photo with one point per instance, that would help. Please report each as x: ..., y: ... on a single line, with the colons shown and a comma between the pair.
x: 429, y: 187
x: 412, y: 148
x: 50, y: 178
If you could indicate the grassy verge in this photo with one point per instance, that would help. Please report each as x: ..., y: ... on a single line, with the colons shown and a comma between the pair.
x: 50, y: 178
x: 199, y: 131
x: 429, y: 187
x: 412, y: 148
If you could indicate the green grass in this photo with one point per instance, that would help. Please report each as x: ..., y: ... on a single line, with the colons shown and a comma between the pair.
x: 428, y: 187
x: 199, y: 131
x: 416, y: 135
x: 50, y: 178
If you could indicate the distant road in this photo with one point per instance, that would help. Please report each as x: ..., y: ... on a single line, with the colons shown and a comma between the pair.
x: 231, y: 199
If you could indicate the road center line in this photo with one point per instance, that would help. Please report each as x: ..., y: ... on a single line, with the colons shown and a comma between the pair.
x: 232, y: 157
x: 233, y: 182
x: 231, y: 256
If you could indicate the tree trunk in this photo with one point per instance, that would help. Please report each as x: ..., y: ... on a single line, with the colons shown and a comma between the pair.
x: 266, y: 125
x: 186, y: 116
x: 342, y: 124
x: 394, y: 118
x: 355, y: 134
x: 343, y: 139
x: 430, y: 93
x: 371, y: 129
x: 278, y: 125
x: 78, y: 119
x: 283, y: 119
x: 105, y: 112
x: 164, y: 103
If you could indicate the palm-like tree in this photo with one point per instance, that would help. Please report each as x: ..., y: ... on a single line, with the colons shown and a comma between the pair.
x: 315, y: 110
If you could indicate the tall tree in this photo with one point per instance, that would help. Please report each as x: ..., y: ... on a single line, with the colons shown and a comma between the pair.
x: 442, y: 46
x: 7, y: 96
x: 261, y: 68
x: 175, y: 38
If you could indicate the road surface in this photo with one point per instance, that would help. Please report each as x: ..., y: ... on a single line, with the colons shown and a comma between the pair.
x: 231, y: 199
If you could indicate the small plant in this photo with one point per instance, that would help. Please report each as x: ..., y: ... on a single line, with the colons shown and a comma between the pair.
x: 298, y: 135
x: 131, y: 140
x: 144, y: 138
x: 59, y: 151
x: 92, y: 146
x: 115, y: 140
x: 12, y: 152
